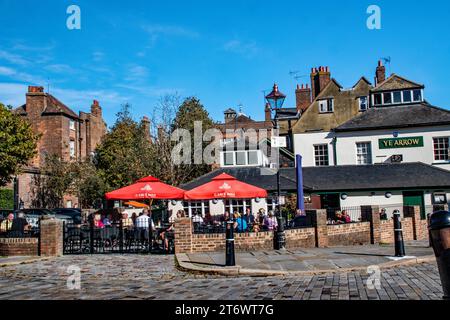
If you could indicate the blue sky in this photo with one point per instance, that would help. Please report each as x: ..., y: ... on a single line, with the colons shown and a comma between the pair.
x: 224, y: 52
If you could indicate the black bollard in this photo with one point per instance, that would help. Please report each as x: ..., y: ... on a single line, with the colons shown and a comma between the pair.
x: 229, y: 246
x: 398, y: 235
x: 440, y: 238
x: 280, y: 236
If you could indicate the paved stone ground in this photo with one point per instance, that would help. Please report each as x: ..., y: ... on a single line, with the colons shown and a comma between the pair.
x: 155, y: 277
x: 310, y: 259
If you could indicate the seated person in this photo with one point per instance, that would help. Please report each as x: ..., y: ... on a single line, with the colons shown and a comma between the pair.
x: 208, y: 219
x: 346, y: 217
x: 197, y: 218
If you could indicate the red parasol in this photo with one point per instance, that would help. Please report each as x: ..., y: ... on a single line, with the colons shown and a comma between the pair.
x: 225, y: 186
x: 146, y: 188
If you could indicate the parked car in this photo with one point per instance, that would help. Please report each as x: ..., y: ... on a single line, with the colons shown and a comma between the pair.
x: 69, y: 215
x: 33, y: 215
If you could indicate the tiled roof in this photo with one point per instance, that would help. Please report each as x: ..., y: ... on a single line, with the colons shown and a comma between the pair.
x: 56, y: 106
x: 395, y: 82
x: 379, y: 176
x: 401, y: 176
x: 414, y: 115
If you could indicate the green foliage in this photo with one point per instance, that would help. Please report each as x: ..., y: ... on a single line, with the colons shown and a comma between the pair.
x: 49, y: 187
x: 17, y: 144
x: 88, y: 185
x: 123, y: 155
x: 6, y: 199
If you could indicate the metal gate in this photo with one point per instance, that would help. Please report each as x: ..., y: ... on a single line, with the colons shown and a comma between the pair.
x: 88, y: 239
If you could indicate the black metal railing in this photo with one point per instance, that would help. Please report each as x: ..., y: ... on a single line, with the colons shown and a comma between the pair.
x: 116, y: 238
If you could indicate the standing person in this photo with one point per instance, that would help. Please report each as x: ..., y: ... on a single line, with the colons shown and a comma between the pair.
x: 19, y: 225
x: 270, y: 222
x: 240, y: 225
x: 143, y: 225
x: 383, y: 214
x: 6, y: 224
x: 249, y: 217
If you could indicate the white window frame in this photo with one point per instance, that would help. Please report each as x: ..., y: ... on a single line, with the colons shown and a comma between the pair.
x: 328, y: 104
x: 259, y: 158
x: 367, y: 103
x: 72, y: 125
x: 368, y: 154
x: 203, y: 206
x: 242, y: 203
x: 448, y: 150
x: 326, y: 148
x: 72, y: 148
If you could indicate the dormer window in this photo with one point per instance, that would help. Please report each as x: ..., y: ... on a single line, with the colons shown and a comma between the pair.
x: 326, y: 105
x: 397, y: 97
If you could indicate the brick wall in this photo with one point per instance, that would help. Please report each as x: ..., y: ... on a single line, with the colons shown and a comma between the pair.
x: 349, y: 234
x: 387, y: 230
x: 301, y: 238
x: 19, y: 247
x: 51, y: 243
x: 321, y: 235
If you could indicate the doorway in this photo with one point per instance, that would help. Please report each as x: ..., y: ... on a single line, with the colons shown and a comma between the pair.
x: 414, y: 198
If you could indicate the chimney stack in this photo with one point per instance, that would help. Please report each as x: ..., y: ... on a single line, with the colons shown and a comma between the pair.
x: 146, y: 127
x: 268, y: 112
x: 36, y: 101
x: 96, y: 110
x: 320, y: 77
x: 160, y: 133
x: 380, y: 74
x: 303, y: 97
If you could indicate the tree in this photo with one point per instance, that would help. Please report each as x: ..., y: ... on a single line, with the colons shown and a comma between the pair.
x: 87, y: 185
x: 18, y: 144
x: 123, y: 155
x: 169, y: 116
x: 54, y: 181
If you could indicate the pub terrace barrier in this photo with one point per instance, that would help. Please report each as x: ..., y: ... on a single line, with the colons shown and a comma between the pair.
x: 44, y: 240
x: 316, y: 232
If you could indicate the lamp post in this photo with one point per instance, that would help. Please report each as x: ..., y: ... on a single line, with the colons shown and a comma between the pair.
x: 276, y: 100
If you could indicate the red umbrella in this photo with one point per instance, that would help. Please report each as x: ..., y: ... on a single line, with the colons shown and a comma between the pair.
x: 146, y: 188
x: 225, y: 186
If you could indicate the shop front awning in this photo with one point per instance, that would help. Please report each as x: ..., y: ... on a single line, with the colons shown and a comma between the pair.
x: 146, y: 188
x: 225, y: 186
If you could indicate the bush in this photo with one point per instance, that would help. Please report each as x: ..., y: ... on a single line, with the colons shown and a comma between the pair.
x: 6, y: 199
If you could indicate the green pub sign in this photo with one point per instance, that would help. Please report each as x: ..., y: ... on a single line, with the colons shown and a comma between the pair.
x: 408, y: 142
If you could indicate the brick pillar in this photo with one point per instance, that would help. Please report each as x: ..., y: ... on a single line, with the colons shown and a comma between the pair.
x: 419, y: 225
x: 51, y: 238
x: 320, y: 223
x: 183, y: 235
x: 372, y: 214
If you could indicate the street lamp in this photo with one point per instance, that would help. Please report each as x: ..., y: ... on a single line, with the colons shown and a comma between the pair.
x: 276, y: 100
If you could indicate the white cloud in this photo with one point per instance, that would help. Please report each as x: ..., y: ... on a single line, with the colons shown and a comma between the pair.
x: 136, y: 73
x: 13, y: 94
x: 61, y: 68
x: 176, y: 31
x: 149, y: 91
x: 247, y: 49
x: 5, y: 71
x: 13, y: 58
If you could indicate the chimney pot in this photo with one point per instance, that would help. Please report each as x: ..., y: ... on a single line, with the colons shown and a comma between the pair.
x: 35, y: 89
x: 95, y: 103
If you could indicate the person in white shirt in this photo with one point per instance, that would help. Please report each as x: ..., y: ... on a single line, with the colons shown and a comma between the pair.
x: 142, y: 225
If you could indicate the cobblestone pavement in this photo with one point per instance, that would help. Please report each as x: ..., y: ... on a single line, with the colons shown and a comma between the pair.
x: 155, y: 277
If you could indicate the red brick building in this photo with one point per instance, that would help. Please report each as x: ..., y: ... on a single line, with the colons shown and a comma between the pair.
x: 63, y: 133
